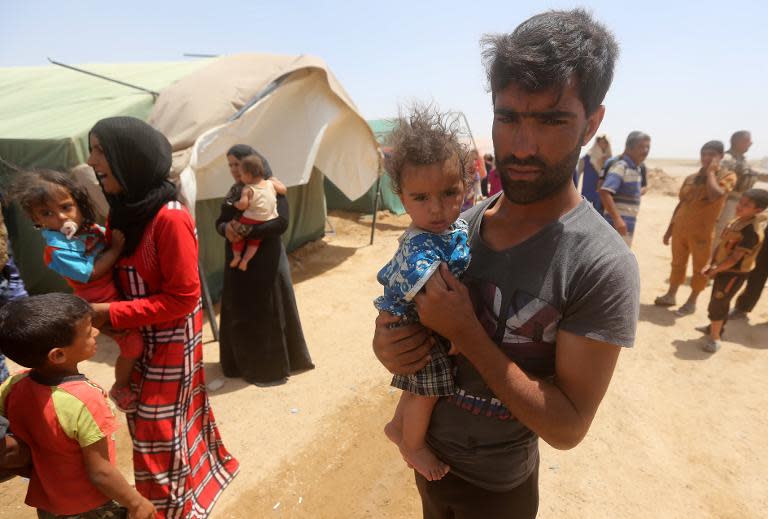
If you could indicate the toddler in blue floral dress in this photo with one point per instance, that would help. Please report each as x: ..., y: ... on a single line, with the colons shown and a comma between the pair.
x: 430, y: 171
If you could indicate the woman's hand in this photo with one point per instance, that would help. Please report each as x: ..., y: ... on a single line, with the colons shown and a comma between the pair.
x: 100, y: 315
x: 230, y: 231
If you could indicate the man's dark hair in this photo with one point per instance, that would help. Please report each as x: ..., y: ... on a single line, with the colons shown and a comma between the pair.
x: 634, y: 138
x: 422, y: 137
x: 738, y: 135
x: 758, y: 196
x: 716, y: 146
x: 549, y: 49
x: 33, y: 326
x: 34, y: 188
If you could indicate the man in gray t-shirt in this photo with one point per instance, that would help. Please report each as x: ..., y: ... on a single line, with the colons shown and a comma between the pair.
x: 578, y: 283
x: 551, y: 294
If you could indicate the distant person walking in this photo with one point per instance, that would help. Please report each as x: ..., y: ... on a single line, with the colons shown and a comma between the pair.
x: 691, y: 227
x: 621, y: 191
x: 590, y: 167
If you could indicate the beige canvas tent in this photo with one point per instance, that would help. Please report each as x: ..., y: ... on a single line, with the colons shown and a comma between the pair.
x: 292, y: 109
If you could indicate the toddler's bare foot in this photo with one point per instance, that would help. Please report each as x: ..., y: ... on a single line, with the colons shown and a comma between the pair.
x: 235, y: 262
x: 425, y: 462
x: 243, y: 266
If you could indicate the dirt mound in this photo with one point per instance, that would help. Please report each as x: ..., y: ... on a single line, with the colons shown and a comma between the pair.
x: 662, y: 183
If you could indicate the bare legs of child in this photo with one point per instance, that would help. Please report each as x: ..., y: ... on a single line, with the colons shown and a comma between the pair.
x: 250, y: 252
x: 121, y: 393
x: 408, y: 430
x: 236, y: 257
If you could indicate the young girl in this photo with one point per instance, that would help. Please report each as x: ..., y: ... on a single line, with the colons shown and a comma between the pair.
x: 431, y: 172
x: 78, y: 250
x: 258, y: 201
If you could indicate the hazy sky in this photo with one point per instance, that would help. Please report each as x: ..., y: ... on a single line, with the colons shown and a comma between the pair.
x: 686, y: 74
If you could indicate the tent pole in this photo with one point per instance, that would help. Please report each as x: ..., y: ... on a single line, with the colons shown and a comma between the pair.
x: 375, y: 206
x: 152, y: 92
x: 207, y: 303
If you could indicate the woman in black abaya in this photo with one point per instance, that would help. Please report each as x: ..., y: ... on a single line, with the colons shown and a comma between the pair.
x: 261, y: 339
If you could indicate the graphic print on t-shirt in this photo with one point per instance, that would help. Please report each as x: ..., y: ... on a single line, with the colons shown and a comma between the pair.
x: 526, y: 333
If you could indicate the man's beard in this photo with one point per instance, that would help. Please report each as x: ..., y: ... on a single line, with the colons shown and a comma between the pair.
x: 550, y: 180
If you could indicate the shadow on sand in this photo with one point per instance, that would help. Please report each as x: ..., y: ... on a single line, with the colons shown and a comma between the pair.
x: 659, y: 315
x: 690, y: 349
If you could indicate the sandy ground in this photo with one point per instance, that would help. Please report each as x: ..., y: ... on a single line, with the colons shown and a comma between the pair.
x: 680, y: 433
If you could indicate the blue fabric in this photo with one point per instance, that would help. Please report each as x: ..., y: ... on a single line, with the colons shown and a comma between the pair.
x: 589, y: 184
x: 419, y: 255
x: 71, y: 258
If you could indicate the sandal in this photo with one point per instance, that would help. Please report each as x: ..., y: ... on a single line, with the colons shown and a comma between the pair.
x: 124, y: 399
x: 665, y: 300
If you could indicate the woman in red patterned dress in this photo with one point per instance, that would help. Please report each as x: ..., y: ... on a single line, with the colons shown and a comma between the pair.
x: 179, y: 461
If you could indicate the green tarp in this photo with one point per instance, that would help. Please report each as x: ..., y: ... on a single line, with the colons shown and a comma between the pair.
x: 335, y: 199
x: 47, y: 113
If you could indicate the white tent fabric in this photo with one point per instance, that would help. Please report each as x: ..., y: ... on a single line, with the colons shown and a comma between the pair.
x: 307, y: 121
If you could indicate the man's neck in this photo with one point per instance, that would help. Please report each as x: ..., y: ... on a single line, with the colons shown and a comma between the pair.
x: 507, y: 223
x: 735, y: 154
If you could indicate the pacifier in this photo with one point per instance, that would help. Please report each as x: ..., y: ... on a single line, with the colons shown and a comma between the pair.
x: 68, y: 229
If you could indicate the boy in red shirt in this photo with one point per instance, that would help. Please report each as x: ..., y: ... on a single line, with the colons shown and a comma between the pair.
x: 63, y: 417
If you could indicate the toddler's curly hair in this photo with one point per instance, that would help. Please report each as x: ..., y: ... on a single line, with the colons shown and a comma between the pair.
x: 426, y: 136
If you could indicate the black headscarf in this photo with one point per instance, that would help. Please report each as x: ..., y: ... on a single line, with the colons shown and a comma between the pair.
x: 140, y: 159
x: 240, y: 151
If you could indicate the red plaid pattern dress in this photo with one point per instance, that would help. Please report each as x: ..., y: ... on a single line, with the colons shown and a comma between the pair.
x: 179, y: 461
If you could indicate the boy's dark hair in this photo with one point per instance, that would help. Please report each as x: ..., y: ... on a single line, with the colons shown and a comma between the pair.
x: 716, y: 146
x: 738, y: 135
x: 35, y: 187
x: 33, y: 326
x: 253, y: 165
x: 423, y: 137
x: 758, y: 196
x: 547, y: 50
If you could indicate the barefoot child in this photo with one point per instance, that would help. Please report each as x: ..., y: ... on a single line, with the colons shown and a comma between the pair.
x: 430, y: 171
x: 78, y: 250
x: 62, y: 416
x: 733, y: 259
x: 258, y: 201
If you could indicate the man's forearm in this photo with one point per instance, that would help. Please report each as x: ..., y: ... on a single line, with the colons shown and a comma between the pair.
x: 539, y: 405
x: 607, y: 199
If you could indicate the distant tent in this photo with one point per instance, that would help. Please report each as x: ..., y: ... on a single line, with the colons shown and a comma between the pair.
x: 292, y: 109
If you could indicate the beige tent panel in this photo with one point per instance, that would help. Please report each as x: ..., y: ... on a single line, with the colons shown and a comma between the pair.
x: 307, y: 121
